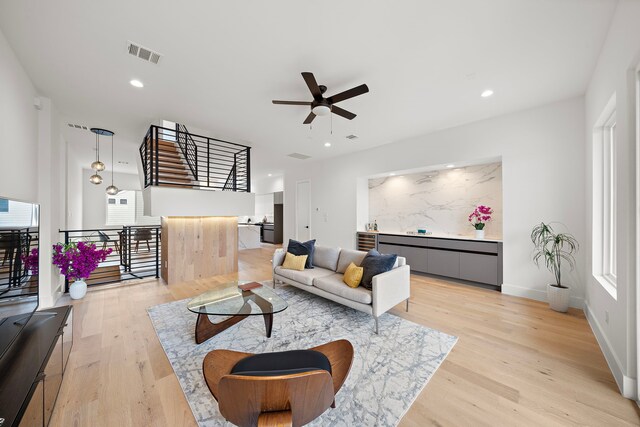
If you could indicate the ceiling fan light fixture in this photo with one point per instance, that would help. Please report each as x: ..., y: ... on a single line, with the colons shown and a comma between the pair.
x: 321, y: 110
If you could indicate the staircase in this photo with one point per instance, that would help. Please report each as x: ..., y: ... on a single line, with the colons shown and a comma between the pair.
x: 172, y: 169
x: 177, y: 158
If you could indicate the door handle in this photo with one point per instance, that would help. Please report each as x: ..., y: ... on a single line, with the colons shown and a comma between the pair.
x: 306, y: 226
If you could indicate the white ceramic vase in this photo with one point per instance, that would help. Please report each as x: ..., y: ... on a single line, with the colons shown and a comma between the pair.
x: 479, y: 234
x: 558, y: 298
x: 78, y: 289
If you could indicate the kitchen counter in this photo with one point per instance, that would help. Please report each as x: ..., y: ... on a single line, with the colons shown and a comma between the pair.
x: 472, y: 261
x: 435, y: 236
x: 248, y: 236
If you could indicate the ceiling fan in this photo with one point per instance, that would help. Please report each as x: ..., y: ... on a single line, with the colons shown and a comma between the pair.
x: 321, y: 106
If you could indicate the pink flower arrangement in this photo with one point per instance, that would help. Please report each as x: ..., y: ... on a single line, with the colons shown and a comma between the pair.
x: 480, y: 216
x: 31, y: 261
x: 78, y: 260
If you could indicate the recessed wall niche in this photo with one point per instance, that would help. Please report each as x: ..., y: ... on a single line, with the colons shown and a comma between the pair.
x: 440, y: 200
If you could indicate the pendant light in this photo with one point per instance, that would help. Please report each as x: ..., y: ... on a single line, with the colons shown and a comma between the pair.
x: 112, y: 190
x: 98, y: 166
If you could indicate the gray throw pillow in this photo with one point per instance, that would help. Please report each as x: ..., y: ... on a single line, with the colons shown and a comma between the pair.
x: 375, y: 263
x: 303, y: 248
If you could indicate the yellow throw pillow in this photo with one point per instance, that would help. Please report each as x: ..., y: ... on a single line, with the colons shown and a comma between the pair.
x: 294, y: 262
x: 353, y: 275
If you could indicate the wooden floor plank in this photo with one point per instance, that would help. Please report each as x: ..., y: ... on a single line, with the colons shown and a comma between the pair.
x: 516, y: 362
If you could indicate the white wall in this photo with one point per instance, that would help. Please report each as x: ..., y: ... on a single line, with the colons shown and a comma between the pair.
x: 74, y: 190
x: 94, y: 204
x: 18, y: 129
x: 33, y: 155
x: 51, y: 196
x: 613, y: 74
x: 271, y: 184
x: 542, y: 153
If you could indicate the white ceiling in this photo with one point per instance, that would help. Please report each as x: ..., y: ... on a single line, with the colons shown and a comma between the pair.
x: 425, y: 62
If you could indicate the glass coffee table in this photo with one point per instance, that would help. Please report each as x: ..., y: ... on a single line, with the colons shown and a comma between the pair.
x: 230, y: 300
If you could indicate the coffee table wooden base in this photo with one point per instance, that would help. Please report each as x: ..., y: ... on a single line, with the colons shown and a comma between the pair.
x: 205, y: 328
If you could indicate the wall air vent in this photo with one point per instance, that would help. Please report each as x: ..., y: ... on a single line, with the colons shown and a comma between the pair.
x: 71, y: 125
x: 143, y: 53
x: 299, y: 156
x: 351, y: 137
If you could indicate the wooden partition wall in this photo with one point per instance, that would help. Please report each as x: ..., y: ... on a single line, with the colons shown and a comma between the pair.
x: 195, y: 247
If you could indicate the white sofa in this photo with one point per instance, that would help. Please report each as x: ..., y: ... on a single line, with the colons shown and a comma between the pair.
x: 325, y: 280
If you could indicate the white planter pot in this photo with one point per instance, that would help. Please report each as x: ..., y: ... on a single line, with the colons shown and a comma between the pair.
x: 480, y: 234
x: 558, y: 298
x: 78, y: 289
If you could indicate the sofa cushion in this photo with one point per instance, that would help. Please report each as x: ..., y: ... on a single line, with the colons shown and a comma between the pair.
x: 294, y: 262
x: 303, y: 248
x: 305, y: 277
x: 375, y: 263
x: 348, y: 256
x: 334, y: 284
x: 326, y: 257
x: 353, y: 276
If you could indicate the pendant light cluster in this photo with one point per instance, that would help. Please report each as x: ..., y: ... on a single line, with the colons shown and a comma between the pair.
x: 98, y: 166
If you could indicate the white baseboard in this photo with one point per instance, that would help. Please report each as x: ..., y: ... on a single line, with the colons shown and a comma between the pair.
x: 537, y: 295
x: 628, y: 386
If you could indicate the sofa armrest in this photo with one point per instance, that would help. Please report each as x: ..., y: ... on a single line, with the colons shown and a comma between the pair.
x: 390, y: 289
x: 278, y: 258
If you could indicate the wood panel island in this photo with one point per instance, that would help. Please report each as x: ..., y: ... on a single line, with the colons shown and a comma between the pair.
x: 475, y: 262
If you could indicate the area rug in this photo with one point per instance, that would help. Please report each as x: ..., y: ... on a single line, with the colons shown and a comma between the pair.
x: 389, y: 370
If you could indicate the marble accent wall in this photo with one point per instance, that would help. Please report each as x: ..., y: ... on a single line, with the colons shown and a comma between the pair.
x: 439, y: 200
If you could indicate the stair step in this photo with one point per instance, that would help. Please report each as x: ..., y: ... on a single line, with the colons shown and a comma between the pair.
x: 177, y: 186
x: 163, y: 177
x: 172, y: 166
x: 163, y: 170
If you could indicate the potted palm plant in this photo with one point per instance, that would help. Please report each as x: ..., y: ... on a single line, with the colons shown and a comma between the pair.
x: 554, y: 248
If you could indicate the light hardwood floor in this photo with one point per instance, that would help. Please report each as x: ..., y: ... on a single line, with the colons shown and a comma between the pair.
x: 516, y: 362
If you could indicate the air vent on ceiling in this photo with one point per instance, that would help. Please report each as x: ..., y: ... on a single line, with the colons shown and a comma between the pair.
x: 299, y: 156
x: 351, y: 137
x: 143, y: 52
x: 71, y: 125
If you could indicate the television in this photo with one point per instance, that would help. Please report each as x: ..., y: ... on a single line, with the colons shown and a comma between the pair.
x: 19, y: 236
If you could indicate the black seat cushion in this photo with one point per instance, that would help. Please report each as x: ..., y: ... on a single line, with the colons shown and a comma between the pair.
x: 303, y: 248
x: 373, y: 264
x: 282, y: 363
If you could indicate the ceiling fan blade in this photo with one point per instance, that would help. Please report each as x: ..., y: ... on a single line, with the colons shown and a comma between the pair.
x: 341, y: 112
x: 309, y: 118
x: 358, y: 90
x: 291, y: 102
x: 311, y: 82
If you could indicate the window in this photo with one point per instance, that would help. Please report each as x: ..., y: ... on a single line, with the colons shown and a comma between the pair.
x: 122, y: 210
x: 605, y: 200
x: 127, y: 208
x: 4, y: 205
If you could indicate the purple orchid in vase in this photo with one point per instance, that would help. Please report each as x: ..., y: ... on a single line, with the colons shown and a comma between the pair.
x: 77, y: 261
x: 31, y: 261
x: 480, y: 216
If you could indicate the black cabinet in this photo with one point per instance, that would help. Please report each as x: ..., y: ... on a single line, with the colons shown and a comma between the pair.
x: 33, y: 368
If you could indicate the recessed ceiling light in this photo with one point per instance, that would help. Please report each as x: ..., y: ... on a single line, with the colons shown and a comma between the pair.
x: 327, y: 144
x: 136, y: 83
x: 487, y: 93
x: 450, y: 166
x: 268, y: 174
x: 392, y: 174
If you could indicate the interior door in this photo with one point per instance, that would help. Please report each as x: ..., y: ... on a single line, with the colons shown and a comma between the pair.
x: 303, y: 211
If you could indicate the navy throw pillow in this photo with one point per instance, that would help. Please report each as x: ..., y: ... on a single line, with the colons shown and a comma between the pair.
x: 303, y: 248
x: 373, y: 264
